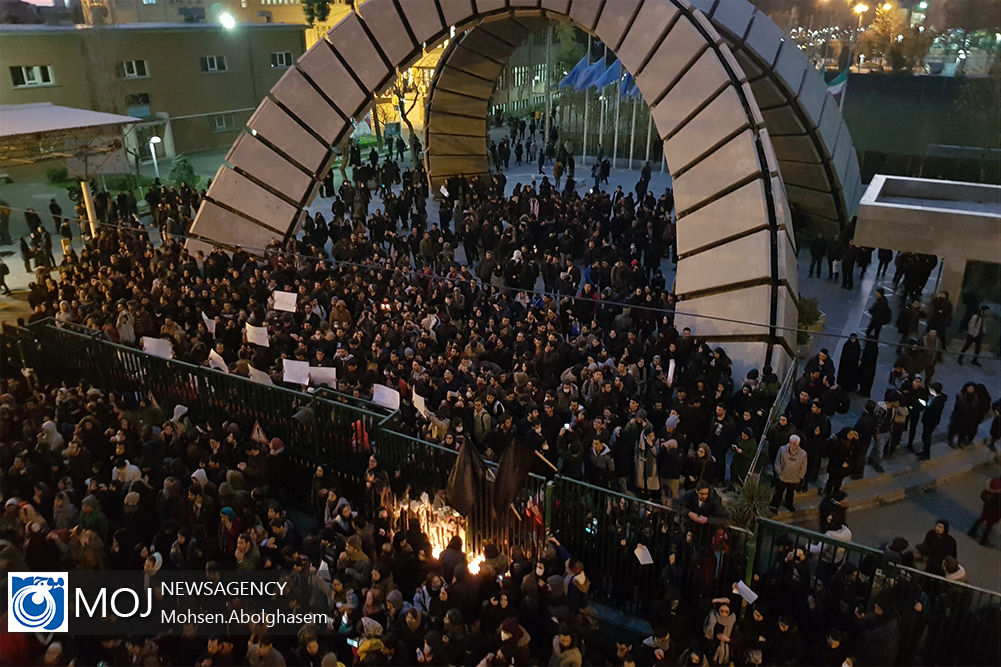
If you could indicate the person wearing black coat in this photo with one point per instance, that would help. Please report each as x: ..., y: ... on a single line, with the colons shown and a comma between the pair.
x: 843, y: 450
x: 866, y: 428
x: 965, y: 417
x: 867, y: 368
x: 879, y: 314
x: 848, y: 365
x: 938, y: 544
x: 930, y: 418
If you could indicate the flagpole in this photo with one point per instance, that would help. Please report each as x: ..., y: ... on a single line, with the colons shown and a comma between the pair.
x: 601, y: 108
x: 587, y: 101
x: 649, y: 131
x: 632, y: 135
x: 844, y: 93
x: 618, y: 103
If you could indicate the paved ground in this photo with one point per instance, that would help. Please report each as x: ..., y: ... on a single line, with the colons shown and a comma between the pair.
x: 958, y: 503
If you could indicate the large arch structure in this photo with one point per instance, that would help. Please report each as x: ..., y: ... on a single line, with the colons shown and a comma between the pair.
x: 734, y: 230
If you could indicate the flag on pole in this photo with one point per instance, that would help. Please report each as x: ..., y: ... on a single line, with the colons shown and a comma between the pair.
x: 570, y: 79
x: 837, y: 87
x: 589, y: 75
x: 611, y: 75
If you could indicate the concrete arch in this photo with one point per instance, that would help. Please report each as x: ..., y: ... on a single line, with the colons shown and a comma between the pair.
x: 735, y: 235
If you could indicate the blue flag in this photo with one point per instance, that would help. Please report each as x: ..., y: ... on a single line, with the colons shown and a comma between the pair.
x: 611, y: 75
x: 589, y: 75
x: 570, y: 79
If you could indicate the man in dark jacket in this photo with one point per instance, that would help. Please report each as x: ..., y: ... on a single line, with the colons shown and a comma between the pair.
x: 930, y: 418
x: 879, y: 314
x: 818, y: 248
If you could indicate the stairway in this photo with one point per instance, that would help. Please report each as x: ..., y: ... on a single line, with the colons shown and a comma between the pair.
x: 904, y: 476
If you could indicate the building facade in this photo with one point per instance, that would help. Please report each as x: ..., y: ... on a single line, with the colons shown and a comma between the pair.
x: 194, y: 85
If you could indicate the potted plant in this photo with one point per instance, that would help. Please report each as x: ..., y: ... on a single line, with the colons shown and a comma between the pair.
x: 749, y: 501
x: 810, y: 319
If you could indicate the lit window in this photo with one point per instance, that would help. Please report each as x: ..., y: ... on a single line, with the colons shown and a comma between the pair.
x: 135, y: 69
x: 31, y: 75
x: 213, y: 63
x: 281, y: 59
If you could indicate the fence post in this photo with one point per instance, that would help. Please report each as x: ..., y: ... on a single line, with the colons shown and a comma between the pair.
x: 548, y: 510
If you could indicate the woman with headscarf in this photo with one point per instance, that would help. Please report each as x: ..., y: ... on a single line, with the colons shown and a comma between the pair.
x: 645, y: 463
x: 848, y: 364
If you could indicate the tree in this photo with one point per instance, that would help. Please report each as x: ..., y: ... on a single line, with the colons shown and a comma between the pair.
x: 316, y: 10
x: 881, y: 33
x: 181, y: 171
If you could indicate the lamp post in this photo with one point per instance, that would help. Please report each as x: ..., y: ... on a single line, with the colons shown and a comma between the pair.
x: 153, y: 141
x: 860, y: 9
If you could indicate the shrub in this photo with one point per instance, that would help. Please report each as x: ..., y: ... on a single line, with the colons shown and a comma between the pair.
x: 57, y: 175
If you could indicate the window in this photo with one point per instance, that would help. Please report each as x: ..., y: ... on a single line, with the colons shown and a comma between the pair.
x: 149, y: 2
x: 135, y: 69
x: 222, y: 122
x: 213, y: 63
x: 138, y: 99
x: 31, y: 75
x: 281, y: 59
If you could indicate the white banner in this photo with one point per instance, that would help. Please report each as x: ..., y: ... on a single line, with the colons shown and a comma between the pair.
x: 285, y: 301
x: 259, y: 376
x: 385, y: 396
x: 158, y: 347
x: 216, y: 361
x: 296, y: 372
x: 209, y: 323
x: 257, y: 335
x: 323, y: 375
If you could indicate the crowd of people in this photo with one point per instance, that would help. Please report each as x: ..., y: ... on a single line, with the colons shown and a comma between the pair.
x: 589, y: 373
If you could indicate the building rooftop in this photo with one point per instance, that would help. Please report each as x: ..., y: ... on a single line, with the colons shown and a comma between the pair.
x: 42, y: 28
x: 20, y: 119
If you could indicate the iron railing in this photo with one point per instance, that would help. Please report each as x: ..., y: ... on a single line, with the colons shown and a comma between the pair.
x: 601, y: 527
x: 940, y: 622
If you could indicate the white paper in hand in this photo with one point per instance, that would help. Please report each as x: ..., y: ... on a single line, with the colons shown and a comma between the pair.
x: 670, y: 373
x: 643, y: 555
x: 385, y: 396
x: 296, y: 372
x: 285, y: 301
x: 258, y: 335
x: 419, y: 403
x: 443, y: 190
x: 216, y: 361
x: 158, y: 347
x: 322, y: 375
x: 259, y: 376
x: 741, y: 589
x: 209, y: 323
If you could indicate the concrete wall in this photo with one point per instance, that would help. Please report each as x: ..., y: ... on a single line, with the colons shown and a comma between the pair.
x: 87, y: 71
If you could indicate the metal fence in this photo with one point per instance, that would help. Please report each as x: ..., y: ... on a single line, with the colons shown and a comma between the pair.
x: 762, y: 464
x: 939, y: 622
x: 601, y: 527
x: 316, y: 430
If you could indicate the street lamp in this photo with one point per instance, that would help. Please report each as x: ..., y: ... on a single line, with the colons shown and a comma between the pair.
x: 153, y: 141
x: 860, y: 9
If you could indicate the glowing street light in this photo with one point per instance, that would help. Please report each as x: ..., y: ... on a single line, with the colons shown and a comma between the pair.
x: 153, y: 141
x: 227, y: 21
x: 887, y: 6
x: 861, y: 8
